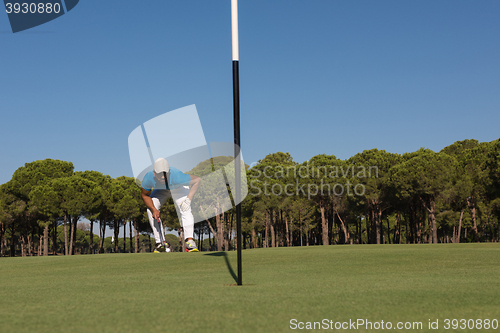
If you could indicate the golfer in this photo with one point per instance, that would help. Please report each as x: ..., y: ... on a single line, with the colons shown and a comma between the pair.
x: 160, y: 184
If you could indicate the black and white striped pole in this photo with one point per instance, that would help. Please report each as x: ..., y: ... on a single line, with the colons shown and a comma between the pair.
x: 236, y: 117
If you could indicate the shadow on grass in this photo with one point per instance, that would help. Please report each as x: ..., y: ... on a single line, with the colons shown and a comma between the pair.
x: 228, y: 264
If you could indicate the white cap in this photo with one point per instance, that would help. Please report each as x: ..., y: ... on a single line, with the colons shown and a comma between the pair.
x: 161, y: 165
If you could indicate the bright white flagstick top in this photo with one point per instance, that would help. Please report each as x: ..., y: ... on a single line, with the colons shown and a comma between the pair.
x: 234, y: 29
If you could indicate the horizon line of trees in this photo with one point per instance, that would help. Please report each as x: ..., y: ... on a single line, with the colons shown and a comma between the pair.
x: 374, y: 197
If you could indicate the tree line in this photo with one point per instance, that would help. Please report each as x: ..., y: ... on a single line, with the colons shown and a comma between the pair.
x: 41, y: 205
x: 374, y: 197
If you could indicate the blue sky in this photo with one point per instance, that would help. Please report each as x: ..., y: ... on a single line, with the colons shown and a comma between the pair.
x: 316, y: 77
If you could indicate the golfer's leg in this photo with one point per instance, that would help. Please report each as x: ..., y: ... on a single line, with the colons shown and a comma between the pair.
x: 155, y: 226
x: 187, y: 219
x: 162, y: 196
x: 188, y: 224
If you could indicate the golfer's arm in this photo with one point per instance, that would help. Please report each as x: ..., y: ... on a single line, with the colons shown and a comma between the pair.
x: 195, y: 183
x: 147, y: 199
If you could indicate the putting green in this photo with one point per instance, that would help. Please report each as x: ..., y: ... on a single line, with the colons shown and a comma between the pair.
x: 283, y: 288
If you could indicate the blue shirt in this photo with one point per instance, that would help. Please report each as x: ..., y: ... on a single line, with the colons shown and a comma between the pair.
x: 177, y: 179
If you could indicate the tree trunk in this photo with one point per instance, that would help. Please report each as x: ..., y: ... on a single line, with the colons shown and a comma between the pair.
x: 498, y: 227
x: 40, y: 244
x: 136, y: 236
x: 399, y: 229
x: 378, y: 223
x: 54, y: 237
x: 419, y: 229
x: 225, y: 227
x: 491, y: 223
x: 116, y: 234
x: 324, y: 225
x: 432, y: 220
x: 396, y: 239
x: 409, y: 229
x: 124, y: 237
x: 75, y: 223
x: 130, y: 235
x: 30, y: 242
x: 266, y: 233
x: 254, y: 236
x: 72, y: 232
x: 12, y: 240
x: 301, y: 231
x: 200, y: 240
x: 347, y: 235
x: 65, y: 235
x: 46, y: 240
x: 218, y: 235
x: 287, y: 230
x: 227, y: 230
x: 210, y: 244
x: 280, y: 239
x: 388, y: 231
x: 370, y: 227
x: 472, y: 205
x: 210, y: 227
x: 181, y: 241
x: 102, y: 231
x: 272, y: 225
x: 333, y: 229
x: 457, y: 239
x: 359, y: 228
x: 91, y: 237
x: 23, y: 244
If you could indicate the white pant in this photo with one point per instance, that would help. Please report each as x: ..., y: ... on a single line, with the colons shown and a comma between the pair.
x: 187, y: 220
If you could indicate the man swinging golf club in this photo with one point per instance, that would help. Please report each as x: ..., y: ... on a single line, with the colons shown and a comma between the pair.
x: 160, y: 184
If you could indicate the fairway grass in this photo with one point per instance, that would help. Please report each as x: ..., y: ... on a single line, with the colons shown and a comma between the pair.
x: 196, y: 292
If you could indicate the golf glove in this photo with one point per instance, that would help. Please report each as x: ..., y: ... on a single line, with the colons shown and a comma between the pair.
x: 185, y: 205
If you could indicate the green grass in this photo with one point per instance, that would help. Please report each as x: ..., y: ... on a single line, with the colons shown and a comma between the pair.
x: 196, y: 292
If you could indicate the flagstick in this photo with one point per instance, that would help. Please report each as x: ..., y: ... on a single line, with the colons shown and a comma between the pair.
x: 236, y: 117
